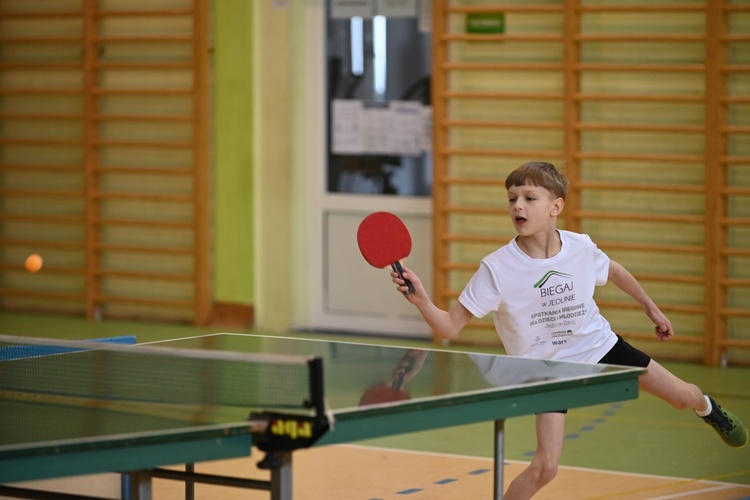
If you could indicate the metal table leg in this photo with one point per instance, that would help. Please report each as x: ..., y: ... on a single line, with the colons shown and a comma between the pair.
x: 281, y: 478
x: 499, y: 458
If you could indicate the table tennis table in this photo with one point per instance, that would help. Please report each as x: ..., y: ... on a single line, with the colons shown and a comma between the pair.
x: 86, y: 408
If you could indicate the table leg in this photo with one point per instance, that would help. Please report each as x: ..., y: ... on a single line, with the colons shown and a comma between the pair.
x: 139, y: 485
x: 281, y: 478
x: 499, y: 458
x: 189, y: 485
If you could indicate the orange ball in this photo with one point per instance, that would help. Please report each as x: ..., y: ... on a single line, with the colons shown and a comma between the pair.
x: 33, y: 263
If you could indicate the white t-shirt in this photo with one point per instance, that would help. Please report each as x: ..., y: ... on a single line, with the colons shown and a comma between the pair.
x: 544, y: 308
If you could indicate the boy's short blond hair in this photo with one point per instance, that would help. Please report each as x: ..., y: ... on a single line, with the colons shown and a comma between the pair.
x: 542, y: 174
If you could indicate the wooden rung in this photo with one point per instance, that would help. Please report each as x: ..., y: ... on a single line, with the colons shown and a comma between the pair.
x: 501, y: 124
x: 40, y: 193
x: 735, y: 99
x: 735, y: 129
x: 460, y: 266
x: 142, y: 92
x: 143, y: 118
x: 66, y: 296
x: 670, y: 278
x: 145, y: 13
x: 466, y: 209
x: 640, y: 127
x: 595, y: 155
x: 735, y: 191
x: 48, y: 91
x: 37, y: 117
x: 735, y: 282
x: 475, y: 181
x: 143, y: 144
x: 736, y: 313
x: 166, y: 65
x: 104, y: 40
x: 735, y: 252
x: 655, y: 68
x: 735, y: 221
x: 43, y: 219
x: 41, y: 40
x: 171, y: 198
x: 472, y: 238
x: 112, y: 299
x: 685, y: 7
x: 735, y: 38
x: 682, y: 219
x: 629, y: 186
x: 38, y: 244
x: 54, y: 168
x: 544, y: 96
x: 598, y: 37
x: 111, y: 247
x: 41, y: 66
x: 651, y: 247
x: 735, y: 68
x: 143, y: 276
x: 741, y: 343
x: 735, y: 159
x: 177, y: 171
x: 40, y: 15
x: 13, y: 141
x: 529, y: 9
x: 501, y: 66
x: 681, y: 339
x: 664, y: 307
x: 68, y: 271
x: 162, y: 224
x: 503, y: 153
x: 461, y: 37
x: 590, y: 96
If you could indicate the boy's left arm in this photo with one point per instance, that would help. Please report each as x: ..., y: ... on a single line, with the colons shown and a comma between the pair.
x: 625, y: 281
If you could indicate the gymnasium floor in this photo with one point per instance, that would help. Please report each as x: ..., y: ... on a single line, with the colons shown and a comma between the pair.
x: 640, y: 449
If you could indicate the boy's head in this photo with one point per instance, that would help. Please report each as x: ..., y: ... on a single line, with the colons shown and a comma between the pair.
x: 542, y: 174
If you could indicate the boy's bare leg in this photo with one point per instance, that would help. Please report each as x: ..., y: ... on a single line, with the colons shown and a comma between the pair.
x: 663, y: 384
x: 550, y: 432
x: 683, y: 395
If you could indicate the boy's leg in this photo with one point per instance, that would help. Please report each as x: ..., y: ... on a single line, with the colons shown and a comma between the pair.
x: 682, y: 395
x: 550, y: 432
x: 663, y: 384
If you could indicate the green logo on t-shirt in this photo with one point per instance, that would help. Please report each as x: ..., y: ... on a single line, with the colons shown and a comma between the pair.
x: 547, y: 276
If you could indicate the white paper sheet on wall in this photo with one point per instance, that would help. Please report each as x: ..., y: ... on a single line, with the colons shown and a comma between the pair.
x: 346, y: 126
x: 399, y: 128
x: 406, y: 134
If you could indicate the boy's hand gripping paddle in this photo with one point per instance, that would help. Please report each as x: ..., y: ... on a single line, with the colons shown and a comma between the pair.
x: 384, y: 240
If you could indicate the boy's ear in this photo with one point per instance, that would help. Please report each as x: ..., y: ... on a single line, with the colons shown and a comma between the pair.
x: 557, y: 207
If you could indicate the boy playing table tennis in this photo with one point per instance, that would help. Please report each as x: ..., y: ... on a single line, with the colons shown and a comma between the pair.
x: 540, y: 289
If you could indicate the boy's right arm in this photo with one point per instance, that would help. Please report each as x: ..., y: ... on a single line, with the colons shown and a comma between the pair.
x: 447, y: 324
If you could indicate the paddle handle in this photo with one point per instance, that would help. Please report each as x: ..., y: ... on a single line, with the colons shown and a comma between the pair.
x: 396, y: 266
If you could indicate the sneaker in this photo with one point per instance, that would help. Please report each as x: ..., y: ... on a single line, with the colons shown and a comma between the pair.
x: 729, y: 427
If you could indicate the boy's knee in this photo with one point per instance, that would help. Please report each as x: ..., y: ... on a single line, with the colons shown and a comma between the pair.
x: 544, y: 471
x: 687, y: 397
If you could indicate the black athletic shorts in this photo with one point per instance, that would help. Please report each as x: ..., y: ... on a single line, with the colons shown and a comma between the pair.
x: 623, y: 354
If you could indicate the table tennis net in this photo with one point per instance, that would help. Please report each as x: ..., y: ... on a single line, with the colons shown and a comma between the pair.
x: 85, y: 373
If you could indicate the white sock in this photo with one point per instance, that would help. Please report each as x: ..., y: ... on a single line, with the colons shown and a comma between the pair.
x: 705, y: 413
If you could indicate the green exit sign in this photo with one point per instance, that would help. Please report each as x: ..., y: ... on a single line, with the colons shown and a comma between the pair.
x: 485, y: 23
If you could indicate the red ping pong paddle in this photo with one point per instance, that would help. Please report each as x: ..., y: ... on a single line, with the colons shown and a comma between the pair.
x: 383, y: 393
x: 384, y: 240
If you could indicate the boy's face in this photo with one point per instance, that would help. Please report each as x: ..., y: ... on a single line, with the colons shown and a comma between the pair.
x: 533, y: 209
